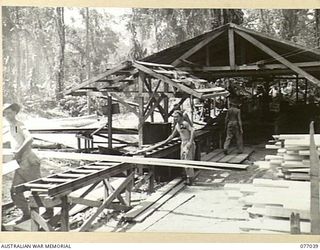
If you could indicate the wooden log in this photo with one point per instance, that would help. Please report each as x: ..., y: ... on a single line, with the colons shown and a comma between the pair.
x: 140, y: 160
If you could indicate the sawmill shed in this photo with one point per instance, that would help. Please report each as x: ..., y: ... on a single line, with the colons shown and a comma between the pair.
x: 190, y: 71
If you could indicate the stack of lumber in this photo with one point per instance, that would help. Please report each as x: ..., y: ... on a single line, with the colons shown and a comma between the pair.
x: 292, y: 157
x: 271, y: 202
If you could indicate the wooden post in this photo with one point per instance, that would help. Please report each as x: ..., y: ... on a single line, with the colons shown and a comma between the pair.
x: 141, y: 103
x: 79, y: 143
x: 314, y: 184
x: 192, y: 107
x: 129, y: 188
x: 297, y: 88
x: 306, y: 91
x: 232, y: 59
x: 109, y: 121
x: 151, y: 180
x: 166, y: 102
x: 295, y: 223
x: 207, y: 56
x: 64, y: 214
x: 34, y: 225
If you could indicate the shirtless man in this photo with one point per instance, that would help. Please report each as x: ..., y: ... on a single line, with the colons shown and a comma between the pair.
x: 29, y: 163
x: 186, y: 132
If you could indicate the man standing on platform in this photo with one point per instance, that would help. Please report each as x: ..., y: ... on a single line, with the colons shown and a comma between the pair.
x: 233, y: 127
x: 188, y: 148
x: 29, y: 163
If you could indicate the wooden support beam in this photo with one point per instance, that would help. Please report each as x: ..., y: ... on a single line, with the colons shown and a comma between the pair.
x: 82, y: 201
x: 40, y: 221
x: 167, y: 80
x: 109, y: 122
x: 306, y: 91
x: 141, y: 79
x: 179, y: 103
x: 196, y: 48
x: 314, y: 184
x: 86, y: 225
x: 64, y: 214
x: 152, y: 95
x: 149, y: 112
x: 128, y: 189
x: 99, y: 77
x: 250, y: 67
x: 166, y: 103
x: 278, y: 57
x: 34, y: 224
x: 299, y: 47
x: 124, y: 103
x: 232, y: 58
x: 297, y: 88
x: 295, y: 223
x: 36, y: 200
x: 155, y: 64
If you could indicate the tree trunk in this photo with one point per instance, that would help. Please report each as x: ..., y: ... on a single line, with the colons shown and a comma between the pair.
x: 289, y: 24
x: 317, y: 28
x: 62, y: 41
x: 18, y: 59
x: 88, y: 55
x: 265, y: 23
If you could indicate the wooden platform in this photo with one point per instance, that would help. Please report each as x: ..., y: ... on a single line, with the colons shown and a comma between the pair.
x: 233, y: 157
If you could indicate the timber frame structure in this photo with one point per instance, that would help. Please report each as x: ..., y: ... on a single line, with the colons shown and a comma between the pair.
x: 153, y: 85
x: 231, y: 50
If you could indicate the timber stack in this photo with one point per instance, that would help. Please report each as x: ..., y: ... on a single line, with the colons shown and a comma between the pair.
x: 293, y: 156
x: 273, y: 213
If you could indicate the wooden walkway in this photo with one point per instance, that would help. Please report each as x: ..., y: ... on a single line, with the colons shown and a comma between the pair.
x: 218, y: 156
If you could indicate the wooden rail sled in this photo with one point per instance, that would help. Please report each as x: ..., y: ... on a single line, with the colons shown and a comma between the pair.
x: 56, y: 191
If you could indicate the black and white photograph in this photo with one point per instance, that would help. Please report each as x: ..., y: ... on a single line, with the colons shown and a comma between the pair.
x: 161, y: 120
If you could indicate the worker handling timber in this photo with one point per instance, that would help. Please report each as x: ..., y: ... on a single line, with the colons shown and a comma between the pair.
x: 186, y: 132
x: 29, y: 163
x: 233, y: 127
